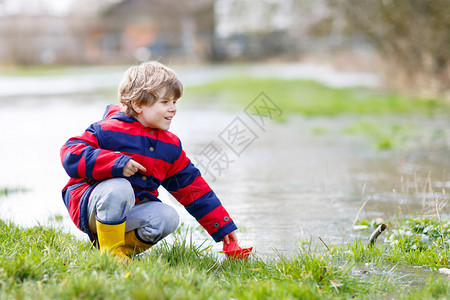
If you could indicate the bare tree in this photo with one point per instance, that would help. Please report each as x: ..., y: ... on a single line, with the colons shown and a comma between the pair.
x: 413, y: 36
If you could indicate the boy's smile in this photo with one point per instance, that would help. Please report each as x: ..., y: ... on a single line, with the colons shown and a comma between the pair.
x: 158, y: 115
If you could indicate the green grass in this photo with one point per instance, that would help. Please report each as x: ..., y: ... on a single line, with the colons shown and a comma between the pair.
x: 5, y: 191
x: 412, y: 241
x: 305, y: 97
x: 375, y: 114
x: 55, y: 70
x: 36, y: 71
x: 46, y: 263
x: 312, y: 98
x: 386, y: 135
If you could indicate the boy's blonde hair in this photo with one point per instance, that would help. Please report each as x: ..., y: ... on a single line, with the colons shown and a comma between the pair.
x: 143, y: 84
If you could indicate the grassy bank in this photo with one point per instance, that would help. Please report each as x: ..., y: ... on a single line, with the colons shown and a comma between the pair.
x: 314, y: 99
x: 297, y: 96
x: 5, y: 191
x: 388, y: 120
x: 45, y: 263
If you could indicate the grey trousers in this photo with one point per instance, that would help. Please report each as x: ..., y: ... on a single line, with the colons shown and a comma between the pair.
x: 112, y: 202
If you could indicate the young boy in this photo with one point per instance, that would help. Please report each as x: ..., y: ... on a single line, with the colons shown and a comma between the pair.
x: 117, y: 165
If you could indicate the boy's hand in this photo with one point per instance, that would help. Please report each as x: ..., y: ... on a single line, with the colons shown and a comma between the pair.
x: 230, y: 237
x: 131, y: 167
x: 232, y: 249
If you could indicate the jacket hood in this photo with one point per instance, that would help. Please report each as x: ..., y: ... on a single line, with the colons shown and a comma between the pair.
x: 114, y: 111
x: 111, y: 111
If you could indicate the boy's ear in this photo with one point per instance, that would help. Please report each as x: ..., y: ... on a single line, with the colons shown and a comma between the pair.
x: 136, y: 108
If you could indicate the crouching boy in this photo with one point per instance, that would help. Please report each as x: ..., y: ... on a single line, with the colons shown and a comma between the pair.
x: 118, y: 163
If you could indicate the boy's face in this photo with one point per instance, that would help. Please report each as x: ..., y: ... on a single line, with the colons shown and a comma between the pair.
x: 158, y: 115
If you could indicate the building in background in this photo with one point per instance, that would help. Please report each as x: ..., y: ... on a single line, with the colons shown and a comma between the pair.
x: 106, y: 31
x: 139, y: 29
x: 32, y: 33
x: 122, y: 31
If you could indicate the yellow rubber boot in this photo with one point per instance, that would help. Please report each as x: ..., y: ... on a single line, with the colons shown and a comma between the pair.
x: 133, y: 245
x: 111, y: 238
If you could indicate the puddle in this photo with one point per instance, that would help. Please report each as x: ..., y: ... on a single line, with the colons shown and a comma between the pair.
x: 289, y: 185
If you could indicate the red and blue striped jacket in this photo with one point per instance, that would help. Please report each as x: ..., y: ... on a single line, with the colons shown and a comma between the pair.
x: 102, y: 151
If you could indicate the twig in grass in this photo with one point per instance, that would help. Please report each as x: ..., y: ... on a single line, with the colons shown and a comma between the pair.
x: 324, y: 243
x: 376, y: 234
